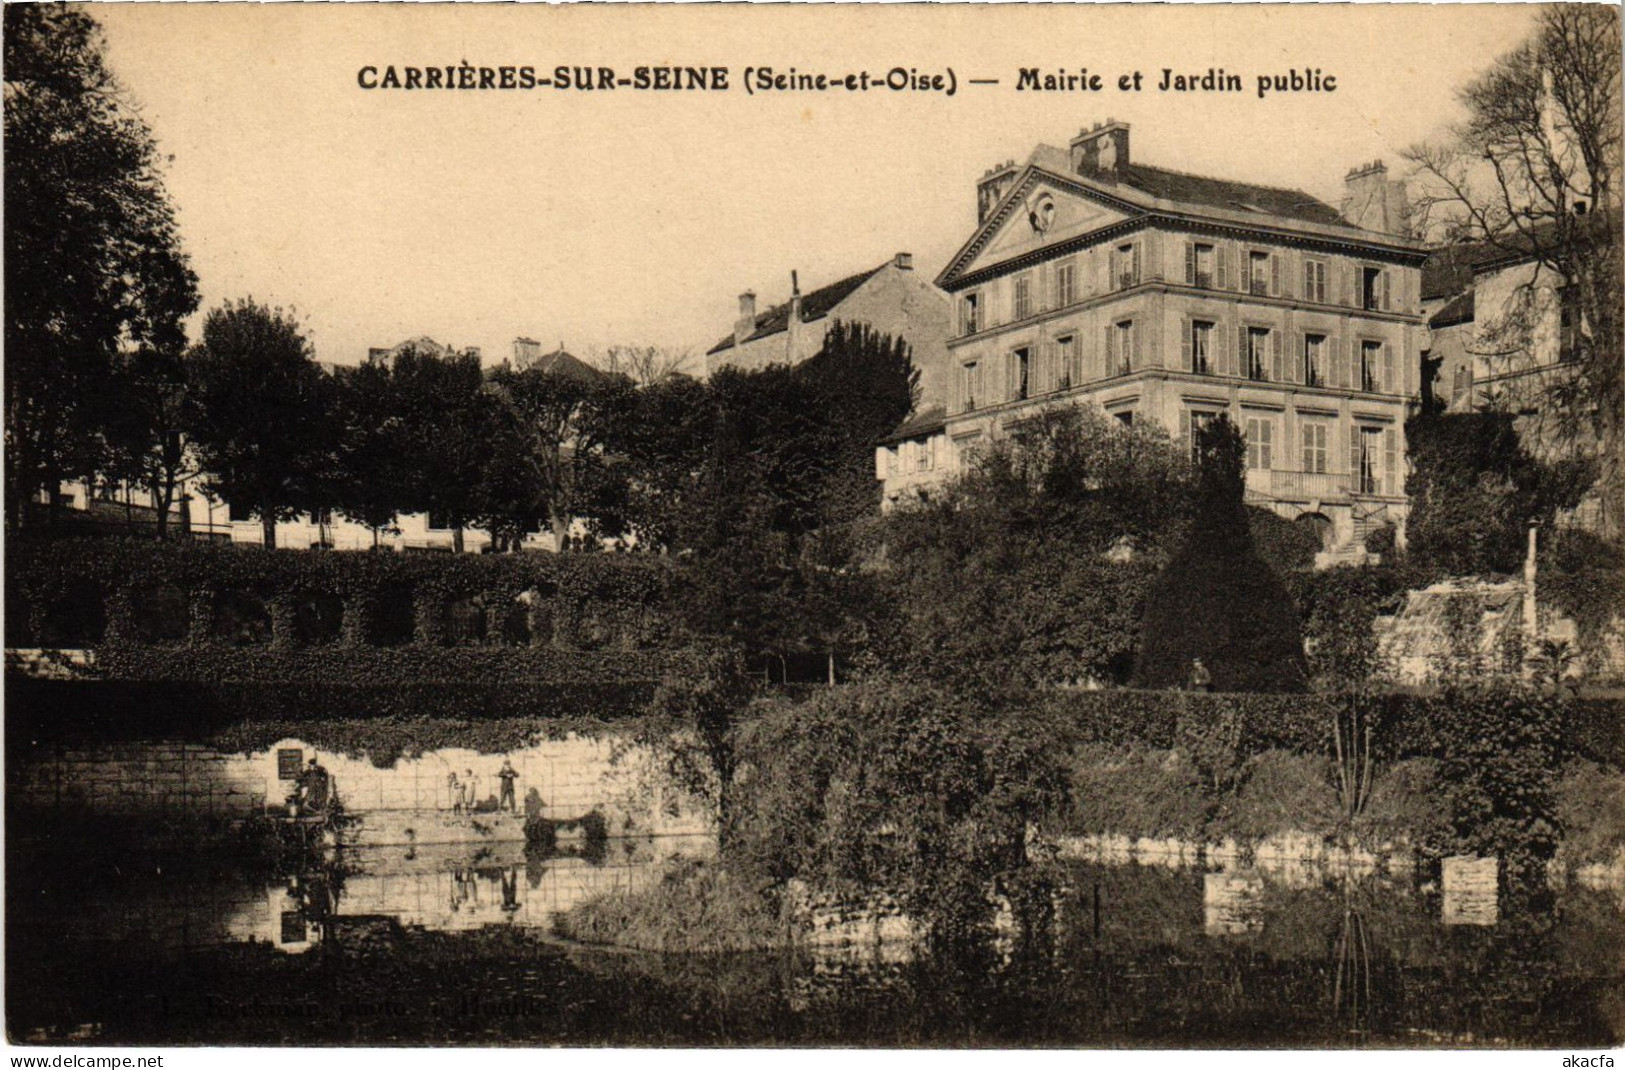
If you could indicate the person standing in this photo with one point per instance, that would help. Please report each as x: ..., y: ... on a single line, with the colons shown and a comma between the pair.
x: 471, y: 790
x: 508, y: 800
x: 455, y: 788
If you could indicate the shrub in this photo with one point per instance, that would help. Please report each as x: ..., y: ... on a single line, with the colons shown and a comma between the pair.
x: 1218, y: 601
x: 1407, y: 801
x: 1589, y: 806
x: 694, y: 907
x: 1382, y: 540
x: 1281, y: 792
x: 1136, y: 791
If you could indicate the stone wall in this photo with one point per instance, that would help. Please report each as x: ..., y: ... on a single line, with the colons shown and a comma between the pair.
x: 170, y: 785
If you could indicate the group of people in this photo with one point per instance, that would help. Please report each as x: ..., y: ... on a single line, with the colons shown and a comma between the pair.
x: 465, y: 790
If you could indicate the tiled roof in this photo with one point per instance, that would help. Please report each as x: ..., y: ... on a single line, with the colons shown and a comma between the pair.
x: 1458, y: 310
x: 1449, y: 271
x: 563, y: 364
x: 924, y: 422
x: 814, y: 306
x: 1232, y: 196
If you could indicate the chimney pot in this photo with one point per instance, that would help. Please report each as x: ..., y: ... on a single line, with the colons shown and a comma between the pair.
x: 904, y: 261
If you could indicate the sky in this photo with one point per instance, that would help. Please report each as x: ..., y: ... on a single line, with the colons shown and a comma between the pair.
x: 621, y: 217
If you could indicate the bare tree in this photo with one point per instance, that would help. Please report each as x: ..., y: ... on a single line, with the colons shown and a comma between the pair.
x: 1533, y: 174
x: 644, y: 365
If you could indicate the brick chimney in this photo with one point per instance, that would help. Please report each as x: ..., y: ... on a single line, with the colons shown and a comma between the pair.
x: 903, y: 261
x: 1100, y: 151
x: 990, y: 189
x: 746, y: 323
x: 525, y: 352
x: 1372, y: 202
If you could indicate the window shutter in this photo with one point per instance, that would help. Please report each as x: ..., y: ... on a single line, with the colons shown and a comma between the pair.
x: 1387, y: 384
x: 1134, y: 261
x: 1385, y: 289
x: 1241, y: 350
x: 1108, y: 355
x: 1266, y: 431
x: 1308, y: 447
x: 1275, y: 274
x: 1390, y: 462
x: 1276, y: 359
x: 1308, y: 280
x: 1190, y: 263
x: 1221, y: 265
x: 1133, y: 346
x: 1354, y: 457
x: 1187, y: 348
x: 1345, y: 286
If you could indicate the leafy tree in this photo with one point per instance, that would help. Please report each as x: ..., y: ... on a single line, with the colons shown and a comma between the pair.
x: 373, y: 483
x: 1475, y: 490
x: 263, y: 418
x: 92, y: 259
x: 448, y: 415
x: 1032, y: 567
x: 147, y: 436
x: 1217, y: 600
x: 866, y: 384
x: 1533, y: 172
x: 661, y: 450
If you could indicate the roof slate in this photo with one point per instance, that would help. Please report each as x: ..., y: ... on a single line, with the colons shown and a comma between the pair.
x: 566, y: 366
x: 1458, y: 310
x: 1233, y: 196
x: 814, y: 306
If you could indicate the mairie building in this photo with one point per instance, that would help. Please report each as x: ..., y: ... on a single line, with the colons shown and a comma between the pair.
x: 1172, y: 298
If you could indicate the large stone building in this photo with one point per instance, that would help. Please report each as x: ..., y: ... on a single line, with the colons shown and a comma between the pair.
x: 892, y: 299
x: 1168, y: 297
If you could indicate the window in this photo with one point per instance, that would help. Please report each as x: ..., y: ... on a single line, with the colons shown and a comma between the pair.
x: 1065, y: 283
x: 1260, y: 436
x: 1314, y: 446
x: 1198, y: 420
x: 1024, y: 297
x: 968, y: 320
x: 1568, y: 323
x: 1125, y: 417
x: 927, y: 455
x: 1314, y: 359
x: 1371, y: 366
x: 240, y: 512
x: 1068, y: 366
x: 1199, y: 264
x: 1372, y: 290
x: 1368, y: 463
x: 1258, y: 343
x: 1120, y: 345
x: 1201, y: 347
x: 1314, y: 281
x: 1021, y: 367
x: 1126, y: 265
x: 1258, y: 273
x: 967, y: 384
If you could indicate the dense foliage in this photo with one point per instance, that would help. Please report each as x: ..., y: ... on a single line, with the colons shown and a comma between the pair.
x: 1032, y: 567
x: 1218, y: 602
x: 1476, y: 490
x: 96, y: 284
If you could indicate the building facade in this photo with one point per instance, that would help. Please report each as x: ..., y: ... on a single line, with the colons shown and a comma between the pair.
x: 1172, y: 298
x: 891, y: 299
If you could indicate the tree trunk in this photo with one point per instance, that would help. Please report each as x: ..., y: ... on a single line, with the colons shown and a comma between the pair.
x: 268, y: 529
x: 457, y: 539
x: 375, y: 537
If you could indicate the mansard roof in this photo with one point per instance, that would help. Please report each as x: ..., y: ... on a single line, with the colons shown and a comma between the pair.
x: 814, y: 306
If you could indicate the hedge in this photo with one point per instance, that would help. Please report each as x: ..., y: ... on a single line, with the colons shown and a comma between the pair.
x: 1402, y: 725
x: 128, y: 592
x: 123, y: 710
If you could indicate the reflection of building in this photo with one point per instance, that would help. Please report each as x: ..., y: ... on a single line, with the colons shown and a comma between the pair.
x: 891, y: 299
x: 1172, y: 298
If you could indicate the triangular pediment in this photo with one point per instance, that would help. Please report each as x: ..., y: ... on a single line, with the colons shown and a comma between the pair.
x: 1039, y: 211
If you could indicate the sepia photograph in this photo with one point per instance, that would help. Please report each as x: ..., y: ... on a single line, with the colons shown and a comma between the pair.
x: 835, y: 526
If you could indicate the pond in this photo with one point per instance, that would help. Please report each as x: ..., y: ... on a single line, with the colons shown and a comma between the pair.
x: 455, y: 946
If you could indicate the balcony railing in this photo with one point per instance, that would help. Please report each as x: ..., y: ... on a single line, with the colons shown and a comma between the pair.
x: 1288, y: 484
